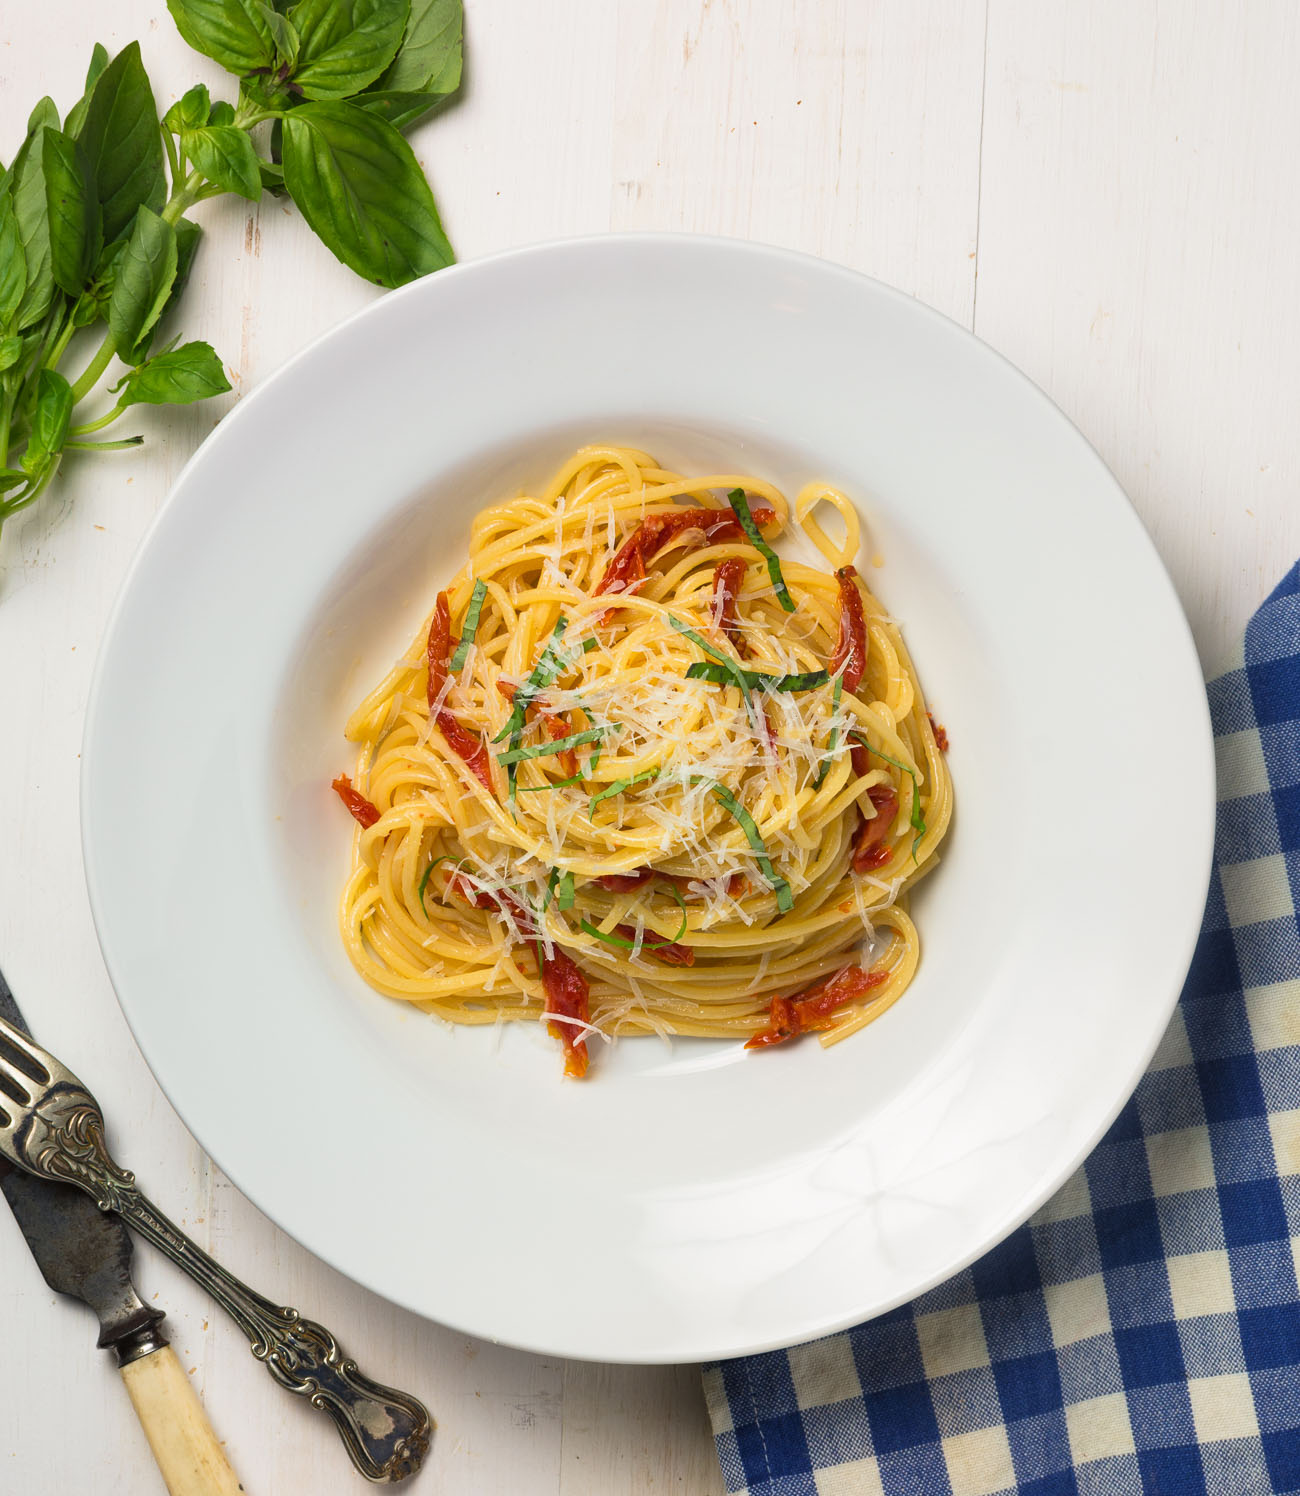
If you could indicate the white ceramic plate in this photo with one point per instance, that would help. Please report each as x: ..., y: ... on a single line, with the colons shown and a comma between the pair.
x: 688, y: 1201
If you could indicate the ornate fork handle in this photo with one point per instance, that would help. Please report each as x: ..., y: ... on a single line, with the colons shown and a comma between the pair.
x: 386, y: 1432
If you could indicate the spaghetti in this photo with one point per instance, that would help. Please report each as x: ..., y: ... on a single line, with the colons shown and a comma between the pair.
x: 657, y: 779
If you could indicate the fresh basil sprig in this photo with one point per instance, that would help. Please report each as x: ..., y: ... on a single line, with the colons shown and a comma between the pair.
x: 93, y: 226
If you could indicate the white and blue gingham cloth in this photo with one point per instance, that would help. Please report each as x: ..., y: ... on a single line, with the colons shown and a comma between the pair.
x: 1140, y: 1336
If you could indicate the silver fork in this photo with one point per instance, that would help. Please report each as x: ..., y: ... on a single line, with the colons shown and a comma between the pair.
x: 52, y: 1126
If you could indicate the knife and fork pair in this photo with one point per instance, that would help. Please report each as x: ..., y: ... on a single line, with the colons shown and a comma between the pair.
x: 71, y: 1200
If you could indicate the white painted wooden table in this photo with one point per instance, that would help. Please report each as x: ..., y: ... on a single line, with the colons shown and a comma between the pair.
x: 1105, y: 192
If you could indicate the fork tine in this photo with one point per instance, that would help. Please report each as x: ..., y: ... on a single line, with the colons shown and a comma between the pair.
x: 12, y: 1080
x: 29, y: 1049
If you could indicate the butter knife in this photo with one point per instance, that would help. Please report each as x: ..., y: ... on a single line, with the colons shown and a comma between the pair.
x: 85, y: 1253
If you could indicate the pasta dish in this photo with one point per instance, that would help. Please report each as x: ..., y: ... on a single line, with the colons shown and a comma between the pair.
x: 638, y: 774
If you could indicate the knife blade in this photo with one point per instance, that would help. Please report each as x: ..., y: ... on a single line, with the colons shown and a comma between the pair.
x: 85, y: 1253
x: 82, y: 1251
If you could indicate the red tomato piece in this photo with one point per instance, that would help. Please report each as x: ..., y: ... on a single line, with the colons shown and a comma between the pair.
x: 364, y: 811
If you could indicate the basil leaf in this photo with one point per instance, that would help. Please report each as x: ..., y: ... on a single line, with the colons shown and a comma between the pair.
x: 399, y: 109
x: 145, y: 273
x: 77, y: 114
x: 470, y: 627
x: 740, y: 505
x: 784, y: 897
x: 50, y: 420
x: 11, y: 350
x: 123, y: 143
x: 27, y: 194
x: 225, y: 155
x: 808, y: 680
x: 266, y: 90
x: 231, y: 32
x: 283, y: 34
x: 45, y: 116
x: 105, y: 278
x: 551, y: 784
x: 188, y: 235
x: 358, y: 185
x: 345, y: 43
x: 221, y: 113
x: 13, y: 262
x: 11, y: 478
x: 190, y: 111
x: 178, y: 377
x: 559, y: 745
x: 72, y: 211
x: 429, y: 61
x: 98, y: 62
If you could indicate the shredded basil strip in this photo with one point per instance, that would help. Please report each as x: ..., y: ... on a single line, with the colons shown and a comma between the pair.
x: 681, y: 904
x: 619, y: 786
x: 457, y: 661
x: 551, y: 784
x: 589, y: 644
x: 550, y: 663
x: 833, y: 741
x: 425, y: 879
x: 561, y: 884
x: 809, y: 680
x: 545, y: 750
x: 654, y: 944
x: 740, y: 504
x: 784, y: 898
x: 733, y: 671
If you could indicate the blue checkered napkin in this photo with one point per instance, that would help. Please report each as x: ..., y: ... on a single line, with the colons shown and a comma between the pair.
x: 1141, y: 1334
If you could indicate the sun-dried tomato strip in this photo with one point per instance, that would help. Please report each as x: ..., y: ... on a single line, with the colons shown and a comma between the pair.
x: 851, y: 648
x: 815, y: 1006
x: 438, y: 648
x: 463, y: 743
x: 625, y: 882
x: 727, y: 577
x: 657, y: 530
x: 364, y: 812
x: 567, y: 993
x: 940, y: 733
x: 468, y: 746
x: 871, y: 848
x: 667, y: 951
